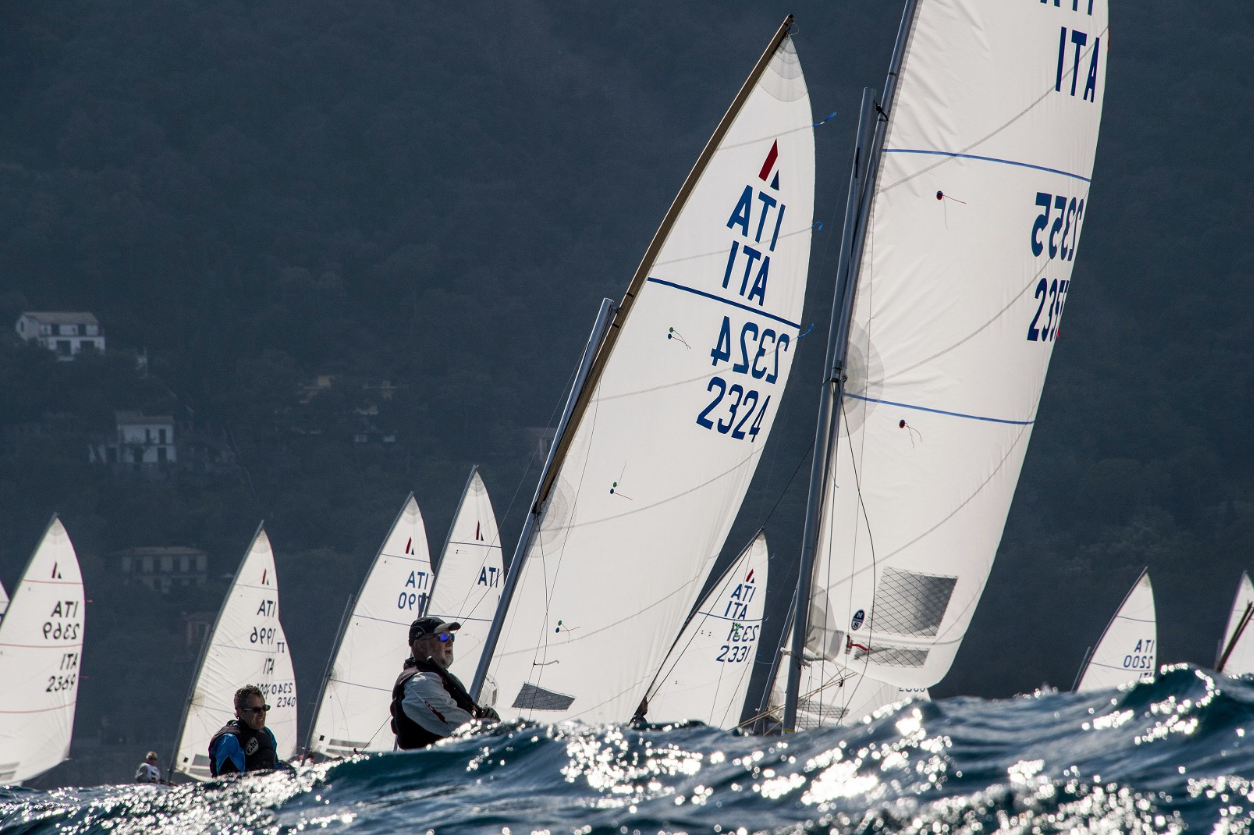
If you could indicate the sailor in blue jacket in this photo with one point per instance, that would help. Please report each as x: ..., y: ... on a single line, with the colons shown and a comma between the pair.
x: 245, y: 743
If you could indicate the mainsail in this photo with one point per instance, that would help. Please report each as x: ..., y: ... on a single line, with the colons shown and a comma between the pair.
x: 41, y: 641
x: 353, y: 709
x: 1128, y: 649
x: 468, y: 587
x: 664, y: 437
x: 246, y: 646
x: 959, y: 266
x: 707, y: 672
x: 1236, y: 651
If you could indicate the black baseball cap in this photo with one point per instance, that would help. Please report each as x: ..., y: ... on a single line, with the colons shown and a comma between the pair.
x: 430, y: 625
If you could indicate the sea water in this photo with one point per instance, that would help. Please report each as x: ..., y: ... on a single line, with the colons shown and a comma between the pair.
x: 1169, y: 755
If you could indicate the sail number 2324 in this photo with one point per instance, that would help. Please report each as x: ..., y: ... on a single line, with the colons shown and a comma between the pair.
x: 753, y: 354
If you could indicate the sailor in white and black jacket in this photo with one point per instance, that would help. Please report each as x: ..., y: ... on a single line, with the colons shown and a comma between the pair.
x: 429, y: 702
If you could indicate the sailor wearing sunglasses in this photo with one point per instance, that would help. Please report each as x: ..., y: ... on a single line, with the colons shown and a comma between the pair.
x: 245, y: 743
x: 429, y: 702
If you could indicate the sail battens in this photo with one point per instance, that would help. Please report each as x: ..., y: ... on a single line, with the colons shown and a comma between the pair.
x: 947, y: 413
x: 979, y: 158
x: 725, y: 301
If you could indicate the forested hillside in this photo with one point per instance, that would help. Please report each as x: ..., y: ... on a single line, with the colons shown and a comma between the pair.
x: 258, y: 195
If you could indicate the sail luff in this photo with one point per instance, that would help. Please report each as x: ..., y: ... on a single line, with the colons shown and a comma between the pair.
x: 1238, y: 628
x: 562, y: 445
x: 457, y: 511
x: 326, y: 671
x: 514, y: 570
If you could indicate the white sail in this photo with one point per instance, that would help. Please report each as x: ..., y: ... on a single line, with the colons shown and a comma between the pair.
x: 353, y: 712
x: 969, y: 246
x: 468, y: 587
x: 246, y: 646
x: 41, y: 641
x: 706, y: 674
x: 659, y: 461
x: 1238, y: 642
x: 1128, y: 649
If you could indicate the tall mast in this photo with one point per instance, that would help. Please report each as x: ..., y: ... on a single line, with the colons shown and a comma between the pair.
x: 595, y: 341
x: 561, y: 444
x: 861, y: 194
x: 598, y: 353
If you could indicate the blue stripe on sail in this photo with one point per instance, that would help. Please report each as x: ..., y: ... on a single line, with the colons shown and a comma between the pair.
x: 987, y: 159
x: 942, y: 411
x: 704, y: 294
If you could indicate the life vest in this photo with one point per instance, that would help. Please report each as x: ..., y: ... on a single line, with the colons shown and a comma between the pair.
x: 258, y: 747
x: 409, y: 734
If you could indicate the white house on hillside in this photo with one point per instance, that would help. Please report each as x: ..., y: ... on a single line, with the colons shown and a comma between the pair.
x: 64, y: 333
x: 141, y: 439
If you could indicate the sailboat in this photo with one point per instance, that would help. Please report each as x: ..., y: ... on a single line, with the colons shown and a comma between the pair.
x: 468, y: 586
x: 1128, y: 649
x: 673, y: 403
x: 41, y: 646
x: 357, y: 686
x: 707, y: 672
x: 965, y: 205
x: 1236, y: 651
x: 246, y: 646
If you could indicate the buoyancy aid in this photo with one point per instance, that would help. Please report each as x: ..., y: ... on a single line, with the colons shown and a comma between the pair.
x: 409, y: 734
x: 258, y: 747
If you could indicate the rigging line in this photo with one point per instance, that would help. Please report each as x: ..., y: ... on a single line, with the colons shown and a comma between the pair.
x: 805, y: 456
x: 772, y: 711
x: 570, y: 381
x: 549, y: 589
x: 772, y: 137
x: 855, y: 459
x: 1032, y: 106
x: 996, y: 470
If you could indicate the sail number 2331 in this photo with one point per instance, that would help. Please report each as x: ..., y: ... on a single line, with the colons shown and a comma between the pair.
x: 753, y: 355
